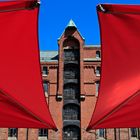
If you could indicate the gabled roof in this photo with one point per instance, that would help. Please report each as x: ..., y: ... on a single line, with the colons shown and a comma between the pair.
x: 70, y: 25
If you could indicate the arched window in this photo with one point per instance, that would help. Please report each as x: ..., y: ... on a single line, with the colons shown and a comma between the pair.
x: 12, y: 132
x: 71, y: 49
x: 71, y: 133
x: 98, y: 55
x: 71, y: 43
x: 71, y: 112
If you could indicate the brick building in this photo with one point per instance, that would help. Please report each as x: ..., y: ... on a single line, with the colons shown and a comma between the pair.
x: 71, y: 79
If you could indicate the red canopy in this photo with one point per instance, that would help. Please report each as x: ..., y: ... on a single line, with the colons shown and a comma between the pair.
x: 118, y: 104
x: 22, y: 99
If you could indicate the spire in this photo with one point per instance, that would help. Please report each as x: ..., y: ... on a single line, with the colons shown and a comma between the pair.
x: 71, y: 24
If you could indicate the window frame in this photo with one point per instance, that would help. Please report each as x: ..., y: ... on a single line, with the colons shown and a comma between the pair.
x: 42, y: 132
x: 13, y: 132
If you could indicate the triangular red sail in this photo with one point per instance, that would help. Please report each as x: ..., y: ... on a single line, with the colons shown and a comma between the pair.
x: 22, y: 99
x: 118, y: 103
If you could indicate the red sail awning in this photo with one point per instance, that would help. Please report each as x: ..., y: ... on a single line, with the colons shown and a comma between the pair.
x: 118, y: 103
x: 22, y: 99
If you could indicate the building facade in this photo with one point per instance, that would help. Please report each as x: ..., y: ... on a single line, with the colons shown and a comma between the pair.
x: 71, y: 78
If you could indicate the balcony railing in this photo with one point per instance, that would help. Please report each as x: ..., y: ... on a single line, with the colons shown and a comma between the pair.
x: 69, y: 97
x: 70, y: 116
x: 71, y: 75
x: 76, y: 62
x: 67, y: 81
x: 75, y: 101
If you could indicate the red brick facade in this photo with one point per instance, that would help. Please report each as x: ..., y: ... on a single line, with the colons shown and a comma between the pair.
x: 89, y: 76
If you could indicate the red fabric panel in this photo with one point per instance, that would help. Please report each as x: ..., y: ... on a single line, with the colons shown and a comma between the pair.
x: 22, y: 99
x: 118, y: 103
x: 17, y: 4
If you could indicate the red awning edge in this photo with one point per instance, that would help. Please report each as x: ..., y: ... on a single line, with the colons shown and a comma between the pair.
x: 22, y: 99
x: 118, y: 101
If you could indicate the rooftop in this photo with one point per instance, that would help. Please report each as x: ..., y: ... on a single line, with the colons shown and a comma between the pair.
x: 48, y: 56
x: 52, y: 56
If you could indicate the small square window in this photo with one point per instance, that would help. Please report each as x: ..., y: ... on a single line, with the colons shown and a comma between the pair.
x: 12, y: 132
x: 42, y: 132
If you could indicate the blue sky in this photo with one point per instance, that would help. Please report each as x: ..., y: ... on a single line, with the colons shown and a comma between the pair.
x: 55, y: 15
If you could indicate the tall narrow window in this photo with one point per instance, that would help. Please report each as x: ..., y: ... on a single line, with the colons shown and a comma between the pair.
x: 98, y: 55
x: 12, y: 132
x: 42, y: 132
x: 98, y: 70
x: 101, y: 132
x: 97, y: 88
x: 45, y: 85
x: 133, y: 132
x: 45, y: 70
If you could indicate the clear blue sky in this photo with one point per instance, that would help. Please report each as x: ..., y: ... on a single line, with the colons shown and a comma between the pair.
x: 55, y: 15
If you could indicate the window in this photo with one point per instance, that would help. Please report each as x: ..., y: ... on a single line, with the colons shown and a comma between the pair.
x: 12, y: 132
x: 45, y: 85
x: 45, y: 70
x: 71, y: 133
x: 97, y: 87
x: 98, y: 70
x: 71, y: 92
x: 42, y: 132
x: 98, y: 54
x: 71, y: 112
x: 101, y: 132
x: 71, y: 72
x: 133, y: 132
x: 71, y: 55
